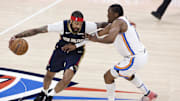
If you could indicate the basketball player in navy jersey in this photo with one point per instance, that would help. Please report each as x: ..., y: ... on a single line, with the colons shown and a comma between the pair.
x: 68, y: 51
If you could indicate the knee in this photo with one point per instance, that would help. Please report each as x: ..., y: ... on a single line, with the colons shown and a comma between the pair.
x: 130, y: 78
x: 105, y: 76
x: 108, y: 79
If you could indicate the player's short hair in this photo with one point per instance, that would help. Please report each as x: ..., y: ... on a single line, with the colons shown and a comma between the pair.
x: 117, y: 8
x: 77, y: 14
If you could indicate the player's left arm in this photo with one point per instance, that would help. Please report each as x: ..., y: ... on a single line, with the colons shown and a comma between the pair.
x: 71, y: 47
x: 118, y: 26
x: 90, y: 27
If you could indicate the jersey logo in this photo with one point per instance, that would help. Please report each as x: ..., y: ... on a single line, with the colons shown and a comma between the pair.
x: 68, y: 33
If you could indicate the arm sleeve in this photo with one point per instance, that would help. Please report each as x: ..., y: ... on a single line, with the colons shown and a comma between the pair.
x: 56, y: 27
x: 81, y: 44
x: 91, y: 27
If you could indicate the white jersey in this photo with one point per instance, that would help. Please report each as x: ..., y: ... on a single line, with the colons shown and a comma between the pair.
x: 128, y: 43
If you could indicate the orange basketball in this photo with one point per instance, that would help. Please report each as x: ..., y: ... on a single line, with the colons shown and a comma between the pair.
x: 18, y: 46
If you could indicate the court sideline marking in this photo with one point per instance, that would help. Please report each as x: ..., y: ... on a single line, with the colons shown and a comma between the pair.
x: 29, y: 17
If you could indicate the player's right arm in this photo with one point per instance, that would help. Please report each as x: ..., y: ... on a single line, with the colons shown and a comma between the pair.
x: 32, y: 32
x: 101, y: 24
x: 105, y: 26
x: 118, y: 26
x: 105, y: 30
x: 55, y: 27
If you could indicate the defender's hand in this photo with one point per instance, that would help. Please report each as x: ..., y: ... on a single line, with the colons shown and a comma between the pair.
x: 133, y: 24
x: 68, y: 47
x: 91, y: 37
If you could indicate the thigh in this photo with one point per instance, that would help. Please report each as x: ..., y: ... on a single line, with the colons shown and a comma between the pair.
x: 56, y: 62
x: 124, y: 68
x: 128, y: 66
x: 72, y: 61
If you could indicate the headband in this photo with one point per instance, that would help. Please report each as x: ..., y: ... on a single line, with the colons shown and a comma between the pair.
x: 76, y: 18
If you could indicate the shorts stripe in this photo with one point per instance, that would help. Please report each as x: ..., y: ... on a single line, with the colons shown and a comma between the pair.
x: 116, y: 67
x: 80, y: 59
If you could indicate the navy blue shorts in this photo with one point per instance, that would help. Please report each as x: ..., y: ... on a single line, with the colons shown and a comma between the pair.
x: 62, y: 61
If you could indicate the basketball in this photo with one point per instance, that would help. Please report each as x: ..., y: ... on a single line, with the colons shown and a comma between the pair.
x: 18, y: 46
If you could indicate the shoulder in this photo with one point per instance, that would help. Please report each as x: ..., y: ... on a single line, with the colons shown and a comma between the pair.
x: 90, y: 26
x: 88, y: 23
x: 56, y: 27
x: 121, y: 24
x: 65, y: 21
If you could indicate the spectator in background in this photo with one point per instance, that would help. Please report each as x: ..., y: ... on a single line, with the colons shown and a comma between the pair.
x: 161, y: 10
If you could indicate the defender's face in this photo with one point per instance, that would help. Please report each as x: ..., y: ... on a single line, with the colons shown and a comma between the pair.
x: 76, y: 25
x: 111, y: 16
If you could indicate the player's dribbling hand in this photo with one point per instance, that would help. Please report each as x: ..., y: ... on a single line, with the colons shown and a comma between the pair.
x: 68, y: 47
x: 11, y: 40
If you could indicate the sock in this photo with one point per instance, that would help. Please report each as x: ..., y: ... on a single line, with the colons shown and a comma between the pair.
x: 111, y: 91
x: 45, y: 91
x: 140, y: 85
x: 51, y: 92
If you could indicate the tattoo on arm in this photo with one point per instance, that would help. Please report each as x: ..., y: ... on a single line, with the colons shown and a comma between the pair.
x: 32, y: 32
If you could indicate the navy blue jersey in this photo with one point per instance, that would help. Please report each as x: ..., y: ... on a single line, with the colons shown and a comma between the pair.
x: 69, y: 37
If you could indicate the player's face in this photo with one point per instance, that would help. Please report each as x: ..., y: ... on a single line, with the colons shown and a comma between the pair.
x: 76, y: 25
x: 111, y: 16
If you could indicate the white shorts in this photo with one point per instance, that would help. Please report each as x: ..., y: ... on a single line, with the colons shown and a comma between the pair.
x: 129, y: 65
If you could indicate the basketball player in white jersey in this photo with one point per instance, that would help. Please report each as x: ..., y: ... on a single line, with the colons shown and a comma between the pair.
x: 126, y: 40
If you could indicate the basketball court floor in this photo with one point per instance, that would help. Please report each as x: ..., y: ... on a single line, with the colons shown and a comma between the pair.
x: 161, y: 38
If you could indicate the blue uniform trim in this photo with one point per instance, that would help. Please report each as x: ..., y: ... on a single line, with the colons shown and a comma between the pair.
x: 128, y: 43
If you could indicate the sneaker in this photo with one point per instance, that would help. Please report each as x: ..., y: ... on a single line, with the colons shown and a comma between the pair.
x: 156, y: 15
x: 150, y: 97
x: 40, y: 97
x: 49, y: 98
